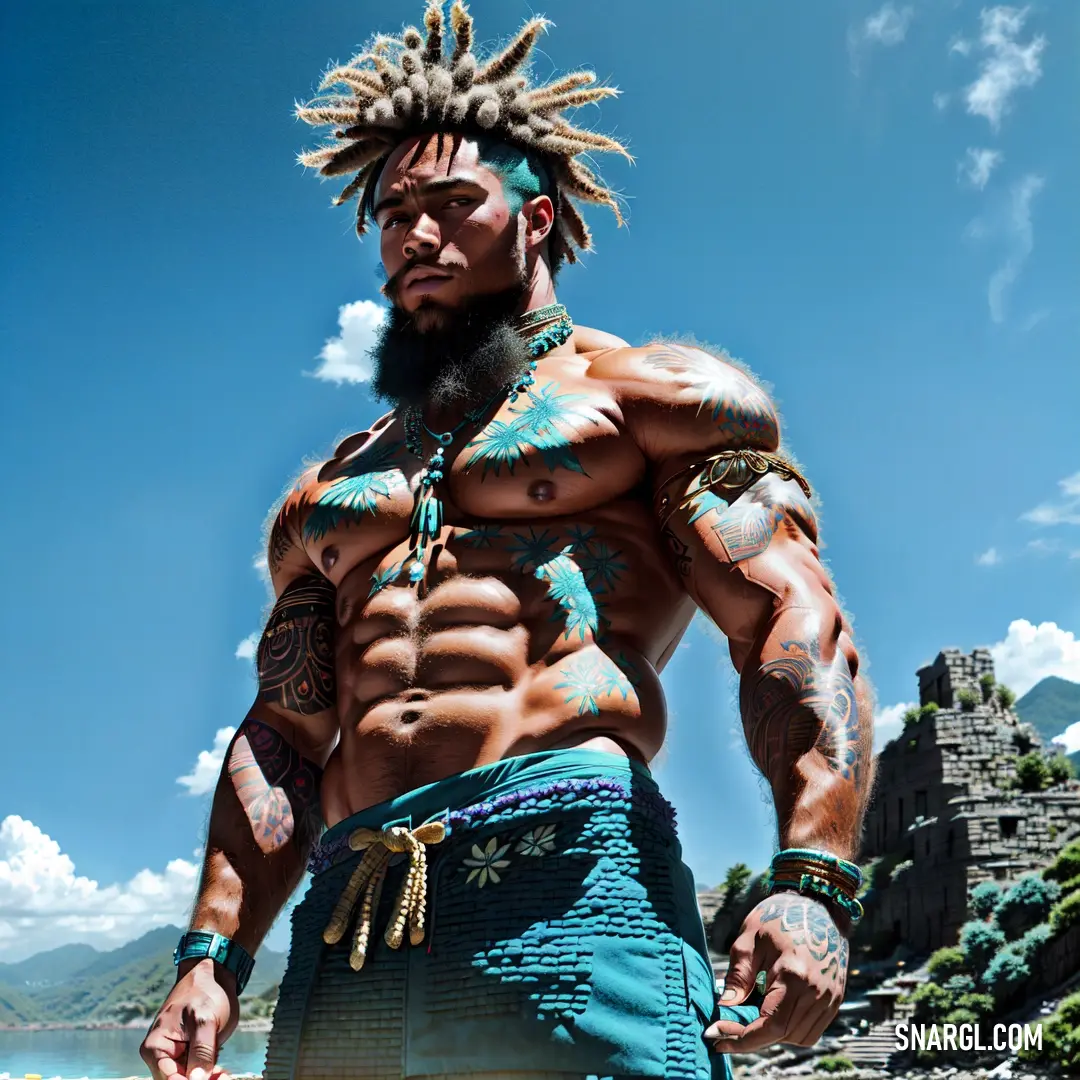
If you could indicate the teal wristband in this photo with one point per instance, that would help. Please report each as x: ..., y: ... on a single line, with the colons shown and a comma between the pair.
x: 200, y: 944
x: 825, y: 858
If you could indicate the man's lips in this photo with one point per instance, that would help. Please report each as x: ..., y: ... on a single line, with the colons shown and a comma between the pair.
x: 423, y: 275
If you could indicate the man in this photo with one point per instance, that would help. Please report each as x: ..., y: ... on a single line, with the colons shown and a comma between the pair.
x: 460, y: 676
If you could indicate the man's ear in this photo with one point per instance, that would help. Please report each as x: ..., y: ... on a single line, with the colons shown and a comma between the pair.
x: 539, y: 220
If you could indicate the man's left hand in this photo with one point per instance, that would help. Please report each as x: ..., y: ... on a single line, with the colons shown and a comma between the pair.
x: 804, y: 955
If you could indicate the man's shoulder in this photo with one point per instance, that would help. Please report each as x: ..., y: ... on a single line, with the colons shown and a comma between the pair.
x: 688, y: 396
x: 285, y: 541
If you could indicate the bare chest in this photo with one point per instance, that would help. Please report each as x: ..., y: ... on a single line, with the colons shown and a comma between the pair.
x: 558, y: 449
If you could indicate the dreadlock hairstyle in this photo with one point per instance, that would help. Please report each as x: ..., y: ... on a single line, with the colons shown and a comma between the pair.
x: 412, y: 85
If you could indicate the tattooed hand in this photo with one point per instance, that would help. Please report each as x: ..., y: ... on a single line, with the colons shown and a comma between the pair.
x: 804, y: 955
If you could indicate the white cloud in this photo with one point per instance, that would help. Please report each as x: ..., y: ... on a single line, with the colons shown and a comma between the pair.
x: 345, y: 358
x: 978, y: 164
x: 889, y: 722
x: 204, y: 777
x: 247, y: 648
x: 1007, y: 65
x: 941, y: 101
x: 1066, y: 511
x: 1029, y: 653
x: 990, y: 557
x: 1069, y: 739
x: 44, y: 903
x: 261, y: 565
x: 1020, y: 237
x: 888, y: 26
x: 961, y: 46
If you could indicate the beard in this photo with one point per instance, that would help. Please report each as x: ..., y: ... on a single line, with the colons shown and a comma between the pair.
x: 450, y: 357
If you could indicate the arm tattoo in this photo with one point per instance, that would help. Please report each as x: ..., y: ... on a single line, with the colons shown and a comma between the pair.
x: 296, y: 654
x: 276, y: 786
x: 808, y: 923
x: 798, y: 704
x: 736, y: 405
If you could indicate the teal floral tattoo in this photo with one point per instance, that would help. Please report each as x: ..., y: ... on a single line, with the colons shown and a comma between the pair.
x: 538, y: 426
x: 365, y: 480
x: 589, y: 677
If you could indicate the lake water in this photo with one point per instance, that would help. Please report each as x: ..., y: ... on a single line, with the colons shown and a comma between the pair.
x: 98, y: 1054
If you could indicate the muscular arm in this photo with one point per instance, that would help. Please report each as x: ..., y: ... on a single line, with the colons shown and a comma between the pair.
x: 741, y: 531
x: 265, y: 815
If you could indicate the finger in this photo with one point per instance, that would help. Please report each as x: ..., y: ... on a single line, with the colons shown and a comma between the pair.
x: 770, y: 1027
x: 202, y: 1050
x: 159, y: 1052
x: 808, y: 1012
x: 807, y: 1030
x: 743, y: 965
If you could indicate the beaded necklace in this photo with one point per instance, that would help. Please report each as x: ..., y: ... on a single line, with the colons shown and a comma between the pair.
x: 427, y: 517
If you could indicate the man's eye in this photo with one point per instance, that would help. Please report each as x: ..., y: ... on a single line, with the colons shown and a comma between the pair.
x: 460, y: 200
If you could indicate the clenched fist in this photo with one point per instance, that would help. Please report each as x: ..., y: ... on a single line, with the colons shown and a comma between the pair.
x: 804, y: 955
x: 199, y: 1014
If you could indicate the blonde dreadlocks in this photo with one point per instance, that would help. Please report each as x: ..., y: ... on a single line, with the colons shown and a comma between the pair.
x: 411, y: 85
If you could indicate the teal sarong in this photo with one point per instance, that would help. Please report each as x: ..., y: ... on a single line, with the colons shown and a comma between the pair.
x: 562, y: 937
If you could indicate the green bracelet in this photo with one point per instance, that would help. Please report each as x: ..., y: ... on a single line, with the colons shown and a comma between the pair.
x: 200, y: 944
x: 818, y: 886
x: 840, y: 866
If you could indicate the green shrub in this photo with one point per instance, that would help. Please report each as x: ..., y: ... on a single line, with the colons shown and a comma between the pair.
x: 1060, y: 1045
x: 980, y: 1004
x: 1006, y: 975
x: 1067, y: 864
x: 931, y: 1003
x: 1069, y: 1010
x: 986, y: 685
x: 1061, y: 769
x: 1071, y: 885
x: 958, y: 985
x: 912, y: 716
x: 832, y: 1063
x: 1006, y: 698
x: 983, y: 899
x: 1032, y: 772
x: 961, y: 1016
x: 966, y: 699
x: 980, y: 941
x: 945, y: 963
x: 1030, y: 945
x: 1065, y: 913
x: 1026, y: 904
x: 928, y: 709
x: 900, y: 868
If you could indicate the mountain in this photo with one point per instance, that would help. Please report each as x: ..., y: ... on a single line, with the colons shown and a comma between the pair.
x: 1050, y: 706
x: 48, y: 967
x: 77, y: 983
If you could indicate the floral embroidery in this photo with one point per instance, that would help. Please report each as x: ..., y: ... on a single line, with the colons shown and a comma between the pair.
x: 486, y: 863
x: 538, y: 841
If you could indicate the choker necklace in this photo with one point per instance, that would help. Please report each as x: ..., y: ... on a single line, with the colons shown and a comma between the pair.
x: 427, y: 517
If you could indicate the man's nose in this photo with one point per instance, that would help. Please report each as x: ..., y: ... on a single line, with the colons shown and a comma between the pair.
x: 422, y: 239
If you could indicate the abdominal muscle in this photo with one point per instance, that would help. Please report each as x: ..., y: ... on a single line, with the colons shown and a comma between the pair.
x: 421, y: 702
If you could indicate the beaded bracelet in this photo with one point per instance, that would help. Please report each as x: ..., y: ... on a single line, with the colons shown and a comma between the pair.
x: 814, y: 885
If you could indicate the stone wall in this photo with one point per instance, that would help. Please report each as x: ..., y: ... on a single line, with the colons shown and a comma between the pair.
x: 952, y: 671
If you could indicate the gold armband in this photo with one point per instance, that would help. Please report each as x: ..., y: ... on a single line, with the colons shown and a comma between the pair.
x: 728, y: 474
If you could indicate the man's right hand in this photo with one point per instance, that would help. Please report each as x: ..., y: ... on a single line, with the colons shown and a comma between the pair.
x: 199, y: 1014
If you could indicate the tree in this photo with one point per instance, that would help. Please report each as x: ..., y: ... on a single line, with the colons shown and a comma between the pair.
x: 983, y: 899
x: 736, y: 880
x: 1006, y: 698
x: 1061, y: 769
x: 1025, y: 905
x: 1032, y: 772
x: 986, y: 685
x: 980, y: 941
x: 1067, y: 864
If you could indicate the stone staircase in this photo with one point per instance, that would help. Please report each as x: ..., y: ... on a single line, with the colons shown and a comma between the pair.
x: 872, y: 1050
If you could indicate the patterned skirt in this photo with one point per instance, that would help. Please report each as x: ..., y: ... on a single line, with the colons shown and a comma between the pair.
x: 527, y: 919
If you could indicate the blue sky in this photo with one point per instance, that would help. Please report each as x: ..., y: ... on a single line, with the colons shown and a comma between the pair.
x: 872, y: 206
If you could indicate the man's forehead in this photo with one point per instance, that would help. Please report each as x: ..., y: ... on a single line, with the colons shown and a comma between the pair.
x: 431, y: 158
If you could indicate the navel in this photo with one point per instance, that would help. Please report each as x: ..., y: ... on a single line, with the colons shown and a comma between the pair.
x: 542, y: 490
x: 329, y: 557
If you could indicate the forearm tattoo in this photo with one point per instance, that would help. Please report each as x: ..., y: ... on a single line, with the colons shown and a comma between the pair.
x: 798, y: 703
x: 808, y: 923
x: 277, y: 787
x: 296, y: 654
